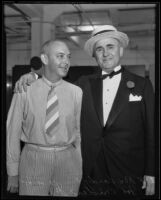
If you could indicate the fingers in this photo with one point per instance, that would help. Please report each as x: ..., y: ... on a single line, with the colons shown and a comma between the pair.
x: 18, y: 86
x: 8, y: 187
x: 51, y: 191
x: 12, y: 189
x: 149, y: 185
x: 23, y: 82
x: 144, y: 184
x: 12, y: 185
x: 24, y: 85
x: 150, y: 189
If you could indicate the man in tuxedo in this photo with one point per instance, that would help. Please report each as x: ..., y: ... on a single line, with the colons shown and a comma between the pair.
x: 117, y: 122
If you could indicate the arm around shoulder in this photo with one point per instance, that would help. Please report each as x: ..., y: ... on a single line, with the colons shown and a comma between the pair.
x: 24, y: 81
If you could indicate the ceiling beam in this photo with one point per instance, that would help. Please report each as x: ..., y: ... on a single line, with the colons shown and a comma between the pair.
x: 83, y: 13
x: 127, y: 29
x: 11, y: 29
x: 31, y: 10
x: 73, y: 41
x: 135, y: 9
x: 116, y: 6
x: 24, y: 16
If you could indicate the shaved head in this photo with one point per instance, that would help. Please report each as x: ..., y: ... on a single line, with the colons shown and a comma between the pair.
x: 51, y: 43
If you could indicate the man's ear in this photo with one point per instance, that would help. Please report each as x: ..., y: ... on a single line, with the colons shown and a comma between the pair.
x: 44, y: 59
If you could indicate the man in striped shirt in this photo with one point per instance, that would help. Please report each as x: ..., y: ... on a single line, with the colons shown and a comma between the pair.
x: 47, y: 119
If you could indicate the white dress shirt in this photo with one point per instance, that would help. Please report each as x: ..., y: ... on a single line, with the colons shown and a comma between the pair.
x: 110, y: 87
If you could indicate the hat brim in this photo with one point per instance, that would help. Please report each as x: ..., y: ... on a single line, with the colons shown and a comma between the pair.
x: 121, y: 37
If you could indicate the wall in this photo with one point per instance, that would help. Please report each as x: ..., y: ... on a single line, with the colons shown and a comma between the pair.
x: 17, y: 54
x: 131, y: 57
x: 20, y: 55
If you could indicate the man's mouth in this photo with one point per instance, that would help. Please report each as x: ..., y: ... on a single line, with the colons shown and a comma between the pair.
x: 65, y: 68
x: 107, y: 59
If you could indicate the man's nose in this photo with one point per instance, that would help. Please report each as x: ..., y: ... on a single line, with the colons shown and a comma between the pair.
x: 66, y: 61
x: 105, y: 52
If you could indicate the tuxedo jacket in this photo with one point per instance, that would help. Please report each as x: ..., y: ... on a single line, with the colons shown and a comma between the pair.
x: 127, y: 139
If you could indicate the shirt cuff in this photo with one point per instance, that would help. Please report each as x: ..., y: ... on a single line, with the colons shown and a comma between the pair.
x: 34, y: 74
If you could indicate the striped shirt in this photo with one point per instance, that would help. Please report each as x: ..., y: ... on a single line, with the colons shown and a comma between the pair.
x: 26, y: 119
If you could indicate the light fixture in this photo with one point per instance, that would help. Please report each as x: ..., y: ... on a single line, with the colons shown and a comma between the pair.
x: 75, y: 38
x: 8, y: 84
x: 69, y: 29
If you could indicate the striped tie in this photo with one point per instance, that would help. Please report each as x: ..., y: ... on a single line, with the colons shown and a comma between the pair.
x: 52, y: 113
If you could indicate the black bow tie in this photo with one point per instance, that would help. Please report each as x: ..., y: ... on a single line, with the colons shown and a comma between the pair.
x: 110, y: 75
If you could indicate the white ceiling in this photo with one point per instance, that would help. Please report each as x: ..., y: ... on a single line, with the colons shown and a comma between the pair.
x: 137, y: 20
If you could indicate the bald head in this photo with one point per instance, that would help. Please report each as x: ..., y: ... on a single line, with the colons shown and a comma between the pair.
x: 55, y: 56
x: 56, y: 44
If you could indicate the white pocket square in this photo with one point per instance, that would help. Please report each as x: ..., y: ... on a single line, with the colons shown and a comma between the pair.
x: 134, y: 97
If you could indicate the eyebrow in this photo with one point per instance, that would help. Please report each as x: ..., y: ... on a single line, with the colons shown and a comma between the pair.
x: 108, y: 45
x: 63, y: 53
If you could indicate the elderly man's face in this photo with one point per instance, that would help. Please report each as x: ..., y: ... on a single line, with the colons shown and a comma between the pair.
x: 108, y: 53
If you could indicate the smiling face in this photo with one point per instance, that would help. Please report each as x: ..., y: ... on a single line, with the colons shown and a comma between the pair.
x: 108, y: 53
x: 56, y: 58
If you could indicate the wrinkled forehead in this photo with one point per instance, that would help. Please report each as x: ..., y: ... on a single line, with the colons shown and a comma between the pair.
x: 107, y: 41
x: 56, y: 47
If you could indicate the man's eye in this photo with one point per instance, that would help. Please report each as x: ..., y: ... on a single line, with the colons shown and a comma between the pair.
x: 60, y: 56
x: 110, y: 47
x: 69, y: 56
x: 99, y: 49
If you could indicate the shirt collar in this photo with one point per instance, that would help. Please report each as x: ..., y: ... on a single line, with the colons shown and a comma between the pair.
x: 115, y: 69
x: 49, y: 83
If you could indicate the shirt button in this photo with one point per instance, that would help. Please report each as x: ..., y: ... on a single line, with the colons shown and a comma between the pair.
x: 107, y: 89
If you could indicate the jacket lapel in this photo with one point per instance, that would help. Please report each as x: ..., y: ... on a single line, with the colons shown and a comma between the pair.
x: 96, y: 88
x: 120, y: 99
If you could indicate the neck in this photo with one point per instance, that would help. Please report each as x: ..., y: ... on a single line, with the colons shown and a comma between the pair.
x: 108, y: 71
x: 52, y: 77
x: 118, y: 67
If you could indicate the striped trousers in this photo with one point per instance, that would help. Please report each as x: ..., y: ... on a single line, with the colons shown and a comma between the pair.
x: 42, y: 171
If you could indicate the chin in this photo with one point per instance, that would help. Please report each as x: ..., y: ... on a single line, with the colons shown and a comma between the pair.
x: 63, y: 75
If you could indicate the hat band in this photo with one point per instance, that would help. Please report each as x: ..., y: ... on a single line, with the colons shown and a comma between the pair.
x: 103, y: 32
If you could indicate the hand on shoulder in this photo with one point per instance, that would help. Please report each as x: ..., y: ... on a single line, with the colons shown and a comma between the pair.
x: 24, y: 81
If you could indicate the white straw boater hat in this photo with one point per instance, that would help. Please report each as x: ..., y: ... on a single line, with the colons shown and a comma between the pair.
x: 104, y: 32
